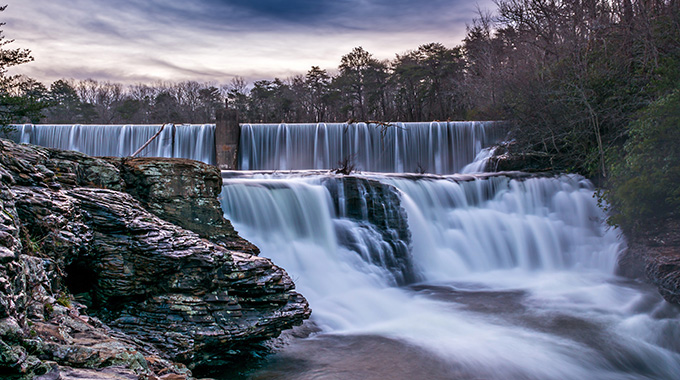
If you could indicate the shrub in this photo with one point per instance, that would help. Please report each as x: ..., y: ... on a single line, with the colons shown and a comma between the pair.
x: 644, y: 179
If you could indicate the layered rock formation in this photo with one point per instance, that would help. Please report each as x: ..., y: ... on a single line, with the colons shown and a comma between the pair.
x: 376, y: 207
x: 72, y: 241
x: 183, y: 192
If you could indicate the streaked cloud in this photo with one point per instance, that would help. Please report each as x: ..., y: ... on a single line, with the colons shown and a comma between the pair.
x: 133, y: 41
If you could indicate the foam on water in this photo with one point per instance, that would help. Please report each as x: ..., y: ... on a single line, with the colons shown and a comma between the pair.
x: 517, y: 275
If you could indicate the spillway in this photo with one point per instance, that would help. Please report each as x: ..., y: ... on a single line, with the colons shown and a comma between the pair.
x: 432, y: 147
x: 193, y: 141
x: 414, y: 271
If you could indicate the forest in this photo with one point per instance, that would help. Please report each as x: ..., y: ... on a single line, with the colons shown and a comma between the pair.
x: 590, y: 86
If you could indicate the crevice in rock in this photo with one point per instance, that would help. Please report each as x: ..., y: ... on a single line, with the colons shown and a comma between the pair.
x: 80, y: 281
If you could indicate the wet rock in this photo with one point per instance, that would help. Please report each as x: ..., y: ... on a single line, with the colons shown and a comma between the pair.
x: 193, y: 299
x: 109, y: 373
x: 54, y: 223
x: 77, y: 169
x: 162, y: 294
x: 654, y: 254
x: 29, y: 165
x: 508, y: 158
x: 377, y: 208
x: 186, y: 193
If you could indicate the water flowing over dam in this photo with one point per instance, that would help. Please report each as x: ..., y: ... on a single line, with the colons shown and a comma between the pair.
x: 511, y: 277
x: 432, y: 147
x: 453, y: 276
x: 194, y: 141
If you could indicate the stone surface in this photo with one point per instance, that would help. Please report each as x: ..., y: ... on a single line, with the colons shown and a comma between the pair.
x: 227, y: 137
x: 654, y: 254
x: 73, y: 246
x: 109, y: 373
x: 186, y: 193
x: 506, y: 158
x: 376, y: 206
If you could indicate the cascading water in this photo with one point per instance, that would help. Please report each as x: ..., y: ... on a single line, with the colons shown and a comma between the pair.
x: 514, y: 279
x: 434, y: 147
x: 480, y: 163
x: 471, y: 276
x: 194, y: 141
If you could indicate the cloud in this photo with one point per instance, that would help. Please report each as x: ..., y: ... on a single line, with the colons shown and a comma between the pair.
x: 130, y: 40
x: 287, y: 10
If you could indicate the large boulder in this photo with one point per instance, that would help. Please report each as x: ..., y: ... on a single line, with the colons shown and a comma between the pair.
x: 376, y: 207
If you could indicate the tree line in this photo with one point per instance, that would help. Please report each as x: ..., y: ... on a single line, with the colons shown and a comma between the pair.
x: 423, y: 84
x: 592, y: 87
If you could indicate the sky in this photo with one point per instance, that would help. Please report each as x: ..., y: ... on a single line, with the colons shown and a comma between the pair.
x: 143, y: 41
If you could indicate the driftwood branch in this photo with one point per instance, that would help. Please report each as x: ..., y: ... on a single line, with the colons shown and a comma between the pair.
x: 148, y: 141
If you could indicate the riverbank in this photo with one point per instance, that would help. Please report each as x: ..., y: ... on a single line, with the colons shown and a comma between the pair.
x: 653, y: 255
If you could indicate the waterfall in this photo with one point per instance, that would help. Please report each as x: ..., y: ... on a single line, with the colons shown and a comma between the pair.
x: 497, y: 223
x: 325, y: 213
x: 512, y: 278
x: 480, y: 163
x: 195, y: 141
x: 434, y: 147
x: 410, y: 275
x: 191, y: 141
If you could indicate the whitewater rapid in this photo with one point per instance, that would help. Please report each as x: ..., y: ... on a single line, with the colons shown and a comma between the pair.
x: 515, y: 280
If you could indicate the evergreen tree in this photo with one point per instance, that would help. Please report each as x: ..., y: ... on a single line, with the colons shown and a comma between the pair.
x: 21, y: 99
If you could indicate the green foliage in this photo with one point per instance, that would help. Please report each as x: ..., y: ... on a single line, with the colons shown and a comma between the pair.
x: 64, y: 300
x: 31, y: 245
x: 21, y: 99
x: 645, y: 177
x: 361, y: 82
x: 48, y: 310
x: 66, y: 106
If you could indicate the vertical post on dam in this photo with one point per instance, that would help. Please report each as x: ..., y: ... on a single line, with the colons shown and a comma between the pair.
x: 227, y: 135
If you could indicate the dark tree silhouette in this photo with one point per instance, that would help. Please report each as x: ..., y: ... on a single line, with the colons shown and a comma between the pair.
x: 21, y: 98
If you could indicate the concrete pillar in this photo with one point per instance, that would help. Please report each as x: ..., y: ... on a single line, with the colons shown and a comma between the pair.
x: 227, y: 135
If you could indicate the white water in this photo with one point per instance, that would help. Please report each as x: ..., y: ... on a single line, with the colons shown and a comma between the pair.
x: 517, y: 280
x: 434, y: 147
x: 515, y: 277
x: 194, y: 141
x: 480, y: 163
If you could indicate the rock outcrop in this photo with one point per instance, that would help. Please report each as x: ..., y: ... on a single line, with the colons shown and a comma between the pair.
x: 91, y: 279
x: 654, y: 254
x: 377, y: 208
x: 183, y: 192
x: 506, y: 158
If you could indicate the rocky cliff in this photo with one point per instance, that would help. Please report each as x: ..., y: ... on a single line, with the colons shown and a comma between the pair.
x: 125, y: 268
x: 183, y: 192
